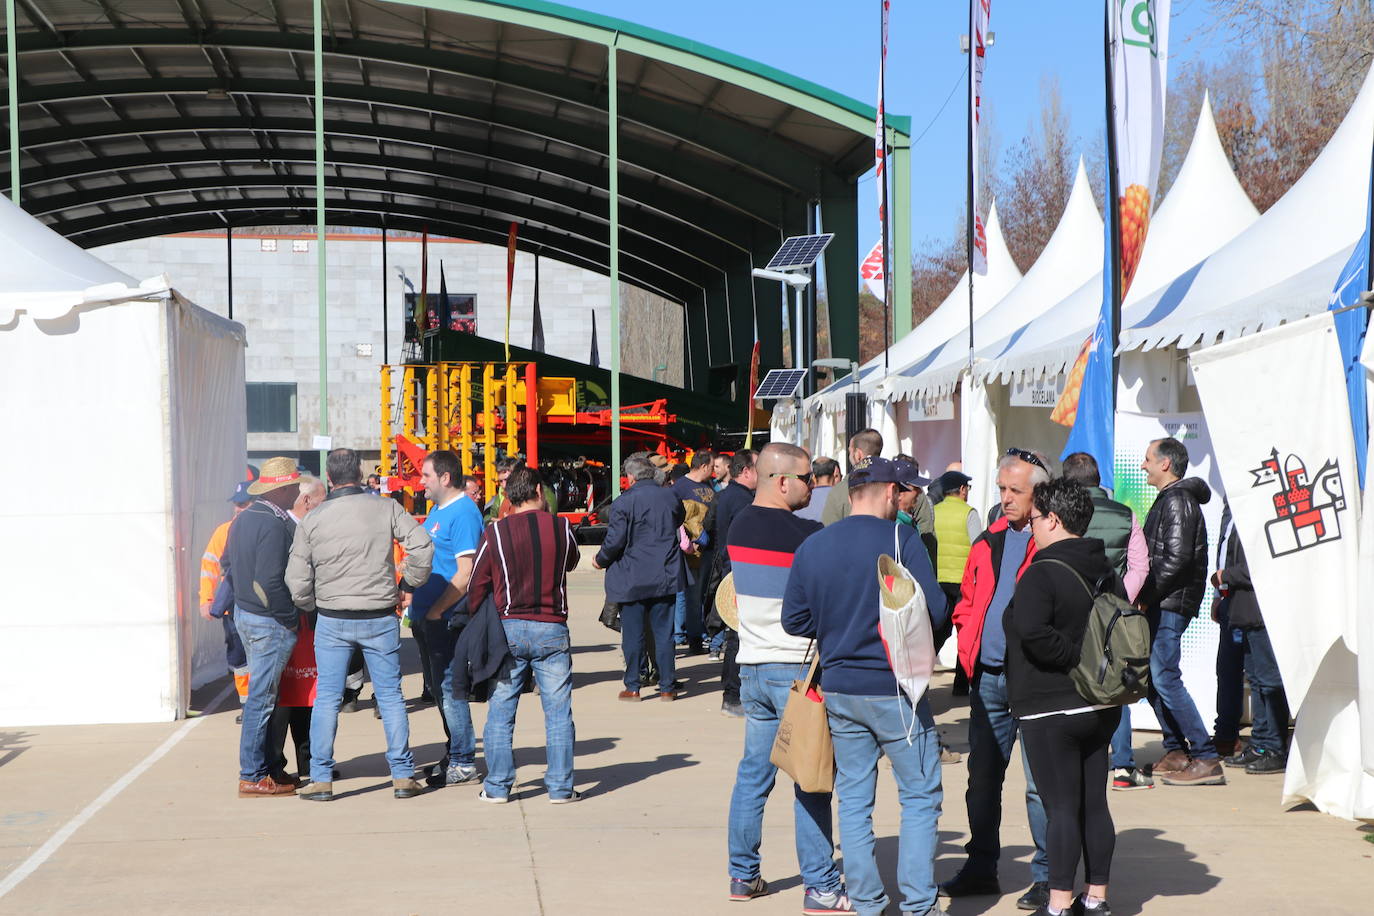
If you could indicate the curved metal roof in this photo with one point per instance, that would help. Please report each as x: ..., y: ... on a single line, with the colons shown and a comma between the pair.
x: 144, y: 117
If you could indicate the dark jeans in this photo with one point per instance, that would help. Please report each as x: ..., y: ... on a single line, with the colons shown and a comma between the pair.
x: 1178, y: 717
x: 991, y: 737
x: 1268, y: 702
x: 655, y: 614
x: 1068, y: 755
x: 296, y: 720
x: 951, y: 590
x: 1230, y: 671
x: 729, y: 669
x: 417, y: 633
x: 456, y: 714
x: 694, y: 620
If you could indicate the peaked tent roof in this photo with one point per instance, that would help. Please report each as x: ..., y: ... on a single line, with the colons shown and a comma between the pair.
x: 1280, y: 268
x: 1205, y: 208
x: 944, y: 322
x: 1066, y: 262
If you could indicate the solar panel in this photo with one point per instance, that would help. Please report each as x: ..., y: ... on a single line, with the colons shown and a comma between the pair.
x: 800, y: 252
x: 779, y: 383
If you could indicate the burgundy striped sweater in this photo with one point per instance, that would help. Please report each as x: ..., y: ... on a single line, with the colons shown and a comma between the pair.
x: 523, y: 562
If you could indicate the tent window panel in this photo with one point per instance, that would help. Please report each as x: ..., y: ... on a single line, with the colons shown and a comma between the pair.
x: 272, y: 407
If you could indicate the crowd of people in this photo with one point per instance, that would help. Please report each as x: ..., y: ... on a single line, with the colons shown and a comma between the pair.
x: 315, y: 587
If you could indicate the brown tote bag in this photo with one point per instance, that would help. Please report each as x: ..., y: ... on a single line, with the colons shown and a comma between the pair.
x: 802, y: 748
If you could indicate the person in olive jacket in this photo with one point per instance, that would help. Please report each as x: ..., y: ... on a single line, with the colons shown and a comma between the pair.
x: 1064, y: 737
x: 644, y: 573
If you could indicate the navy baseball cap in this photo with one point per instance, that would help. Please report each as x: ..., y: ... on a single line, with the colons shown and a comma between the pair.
x: 241, y: 495
x: 953, y: 480
x: 881, y: 470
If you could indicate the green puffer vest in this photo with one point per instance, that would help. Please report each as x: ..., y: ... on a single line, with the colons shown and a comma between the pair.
x: 951, y: 532
x: 1111, y: 523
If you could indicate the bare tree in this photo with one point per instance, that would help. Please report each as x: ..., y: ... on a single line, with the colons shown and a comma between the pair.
x: 1034, y: 187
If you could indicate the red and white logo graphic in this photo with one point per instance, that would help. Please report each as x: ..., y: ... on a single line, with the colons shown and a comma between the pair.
x: 1307, y: 507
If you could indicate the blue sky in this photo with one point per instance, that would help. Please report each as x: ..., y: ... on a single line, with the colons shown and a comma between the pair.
x: 834, y: 43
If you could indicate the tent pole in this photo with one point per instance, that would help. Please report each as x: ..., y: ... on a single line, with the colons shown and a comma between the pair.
x: 319, y: 225
x: 613, y: 164
x: 385, y: 339
x: 12, y: 72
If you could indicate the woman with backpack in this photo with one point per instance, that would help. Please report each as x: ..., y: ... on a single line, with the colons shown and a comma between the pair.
x: 1065, y: 736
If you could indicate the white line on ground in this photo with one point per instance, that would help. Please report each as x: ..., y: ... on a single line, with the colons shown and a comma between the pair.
x: 54, y: 843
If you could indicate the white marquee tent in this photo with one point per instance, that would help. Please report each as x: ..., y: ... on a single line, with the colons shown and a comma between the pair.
x: 125, y: 420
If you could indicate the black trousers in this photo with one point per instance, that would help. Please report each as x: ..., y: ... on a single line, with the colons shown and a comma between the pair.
x: 296, y: 720
x: 1068, y: 758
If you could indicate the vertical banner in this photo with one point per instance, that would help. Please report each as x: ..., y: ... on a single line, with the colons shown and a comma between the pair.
x: 1134, y: 433
x: 1364, y: 634
x: 749, y: 402
x: 1137, y: 40
x: 979, y: 14
x: 1351, y: 327
x: 872, y: 274
x: 1290, y: 472
x: 510, y: 280
x: 537, y: 319
x: 431, y: 314
x: 880, y: 125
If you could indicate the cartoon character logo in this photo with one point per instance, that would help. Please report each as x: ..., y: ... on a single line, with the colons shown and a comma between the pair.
x: 1307, y: 507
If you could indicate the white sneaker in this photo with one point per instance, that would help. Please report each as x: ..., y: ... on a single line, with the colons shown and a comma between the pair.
x: 567, y: 800
x: 491, y: 799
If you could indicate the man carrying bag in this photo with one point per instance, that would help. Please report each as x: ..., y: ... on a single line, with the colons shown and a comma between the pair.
x: 833, y: 596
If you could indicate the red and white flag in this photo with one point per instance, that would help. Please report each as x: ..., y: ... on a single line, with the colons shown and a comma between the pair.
x: 871, y: 271
x: 979, y: 14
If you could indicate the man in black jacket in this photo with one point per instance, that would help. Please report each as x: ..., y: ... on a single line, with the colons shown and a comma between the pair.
x: 737, y: 495
x: 1177, y: 536
x: 265, y: 616
x: 1238, y: 612
x: 644, y: 573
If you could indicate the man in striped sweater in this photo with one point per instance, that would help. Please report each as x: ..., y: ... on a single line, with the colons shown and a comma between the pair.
x: 522, y: 563
x: 760, y: 543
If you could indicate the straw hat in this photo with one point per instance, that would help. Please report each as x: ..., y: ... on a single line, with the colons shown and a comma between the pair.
x: 276, y: 473
x: 726, y: 603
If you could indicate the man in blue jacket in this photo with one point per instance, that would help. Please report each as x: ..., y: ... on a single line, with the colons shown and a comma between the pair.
x: 832, y: 596
x: 644, y: 573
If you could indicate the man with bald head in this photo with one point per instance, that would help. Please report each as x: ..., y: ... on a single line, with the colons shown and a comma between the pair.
x: 762, y: 538
x: 866, y: 443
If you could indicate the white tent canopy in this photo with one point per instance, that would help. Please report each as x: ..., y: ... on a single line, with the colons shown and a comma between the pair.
x: 1205, y: 208
x: 944, y: 322
x: 1068, y: 259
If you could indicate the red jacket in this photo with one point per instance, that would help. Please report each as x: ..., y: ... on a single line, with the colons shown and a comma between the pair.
x: 978, y: 587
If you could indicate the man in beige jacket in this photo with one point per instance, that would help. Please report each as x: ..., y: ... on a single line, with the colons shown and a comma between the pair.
x: 341, y: 565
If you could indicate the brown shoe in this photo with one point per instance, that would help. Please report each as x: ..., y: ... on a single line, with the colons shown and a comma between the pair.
x: 406, y: 788
x: 1172, y: 762
x: 629, y: 696
x: 264, y: 788
x: 667, y: 696
x: 1200, y: 772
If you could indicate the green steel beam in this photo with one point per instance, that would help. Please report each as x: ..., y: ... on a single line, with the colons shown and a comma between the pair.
x: 839, y: 214
x: 12, y: 77
x: 322, y: 280
x: 613, y: 182
x: 901, y: 236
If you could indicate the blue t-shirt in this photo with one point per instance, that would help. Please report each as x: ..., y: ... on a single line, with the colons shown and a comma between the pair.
x: 686, y: 488
x: 994, y: 648
x: 456, y: 529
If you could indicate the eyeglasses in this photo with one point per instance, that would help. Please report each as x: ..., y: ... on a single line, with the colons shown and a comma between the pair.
x: 1034, y: 518
x: 1028, y: 457
x: 808, y: 478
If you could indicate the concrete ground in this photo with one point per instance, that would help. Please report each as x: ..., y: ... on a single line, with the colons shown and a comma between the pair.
x: 648, y: 837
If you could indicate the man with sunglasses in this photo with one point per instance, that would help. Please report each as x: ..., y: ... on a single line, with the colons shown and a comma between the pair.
x: 996, y: 560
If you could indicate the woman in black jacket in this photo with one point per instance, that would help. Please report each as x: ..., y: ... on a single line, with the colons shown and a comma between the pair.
x: 1064, y: 737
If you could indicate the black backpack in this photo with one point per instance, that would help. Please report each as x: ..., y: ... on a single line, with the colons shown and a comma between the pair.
x: 1114, y: 660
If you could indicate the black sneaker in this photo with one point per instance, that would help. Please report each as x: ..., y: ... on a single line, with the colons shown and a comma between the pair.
x: 965, y: 884
x: 1082, y: 909
x: 733, y: 709
x: 747, y: 890
x: 1244, y: 758
x: 1035, y: 897
x: 1266, y: 763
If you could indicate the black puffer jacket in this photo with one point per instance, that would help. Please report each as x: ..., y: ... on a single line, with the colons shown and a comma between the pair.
x: 1176, y: 533
x: 1241, y: 606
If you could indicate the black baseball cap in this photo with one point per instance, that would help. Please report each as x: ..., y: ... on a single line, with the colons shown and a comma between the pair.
x: 953, y: 480
x: 881, y: 470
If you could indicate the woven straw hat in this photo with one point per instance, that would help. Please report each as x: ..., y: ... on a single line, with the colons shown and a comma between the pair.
x: 276, y: 473
x: 726, y: 603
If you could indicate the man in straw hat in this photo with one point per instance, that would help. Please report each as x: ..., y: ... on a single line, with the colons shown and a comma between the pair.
x: 265, y: 615
x: 762, y: 539
x: 832, y: 596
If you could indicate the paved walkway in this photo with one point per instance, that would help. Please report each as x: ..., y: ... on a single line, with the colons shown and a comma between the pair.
x: 649, y: 836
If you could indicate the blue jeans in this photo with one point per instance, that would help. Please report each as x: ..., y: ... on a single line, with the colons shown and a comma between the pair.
x: 991, y: 737
x: 635, y: 618
x: 543, y: 647
x: 1178, y: 717
x: 462, y: 737
x: 1230, y: 676
x: 680, y: 619
x: 1122, y: 754
x: 763, y: 691
x: 863, y: 728
x: 1268, y: 702
x: 718, y: 641
x: 268, y: 646
x: 380, y: 640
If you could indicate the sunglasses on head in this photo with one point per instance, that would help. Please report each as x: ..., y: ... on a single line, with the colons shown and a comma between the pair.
x: 1028, y: 457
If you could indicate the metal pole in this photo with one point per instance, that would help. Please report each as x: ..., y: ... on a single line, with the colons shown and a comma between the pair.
x: 12, y: 71
x: 972, y: 126
x: 1113, y: 208
x: 229, y: 262
x: 385, y: 329
x: 613, y: 164
x: 319, y: 225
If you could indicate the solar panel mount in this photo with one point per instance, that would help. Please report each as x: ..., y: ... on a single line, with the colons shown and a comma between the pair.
x: 780, y: 383
x: 800, y: 252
